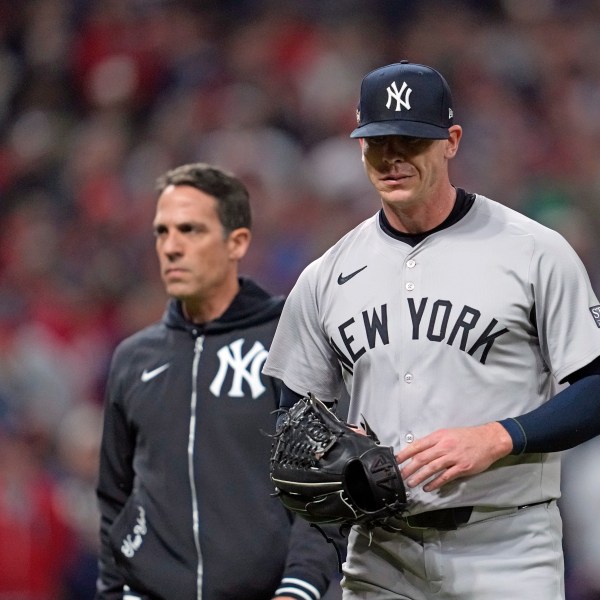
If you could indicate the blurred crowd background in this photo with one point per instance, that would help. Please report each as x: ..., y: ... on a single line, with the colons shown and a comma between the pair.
x: 99, y: 97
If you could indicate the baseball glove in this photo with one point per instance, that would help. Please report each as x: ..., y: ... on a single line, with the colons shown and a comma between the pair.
x: 327, y: 472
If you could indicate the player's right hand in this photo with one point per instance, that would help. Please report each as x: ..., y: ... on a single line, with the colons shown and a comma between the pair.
x: 447, y: 454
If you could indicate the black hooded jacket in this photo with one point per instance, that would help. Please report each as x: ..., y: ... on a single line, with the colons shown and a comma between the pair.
x: 184, y: 491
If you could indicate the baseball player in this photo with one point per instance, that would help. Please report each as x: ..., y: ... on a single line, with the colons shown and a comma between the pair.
x: 451, y: 320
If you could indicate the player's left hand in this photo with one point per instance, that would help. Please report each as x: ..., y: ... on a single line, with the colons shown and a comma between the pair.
x: 447, y: 454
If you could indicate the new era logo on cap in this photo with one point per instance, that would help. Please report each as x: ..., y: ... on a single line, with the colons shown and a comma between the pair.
x: 404, y: 99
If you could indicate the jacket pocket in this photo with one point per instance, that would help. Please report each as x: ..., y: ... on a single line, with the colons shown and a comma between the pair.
x: 129, y: 530
x: 148, y: 565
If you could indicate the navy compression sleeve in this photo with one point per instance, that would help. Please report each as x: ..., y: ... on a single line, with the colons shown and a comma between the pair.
x: 566, y: 420
x: 288, y: 397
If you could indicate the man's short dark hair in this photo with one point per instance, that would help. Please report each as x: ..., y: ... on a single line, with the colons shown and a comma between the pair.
x: 233, y: 199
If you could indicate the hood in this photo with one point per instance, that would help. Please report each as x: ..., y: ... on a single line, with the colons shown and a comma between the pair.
x: 250, y: 307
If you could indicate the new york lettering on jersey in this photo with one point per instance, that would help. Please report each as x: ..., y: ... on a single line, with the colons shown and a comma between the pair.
x: 437, y: 321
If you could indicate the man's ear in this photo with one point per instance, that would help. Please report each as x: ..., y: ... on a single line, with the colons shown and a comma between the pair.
x: 453, y: 141
x: 238, y: 242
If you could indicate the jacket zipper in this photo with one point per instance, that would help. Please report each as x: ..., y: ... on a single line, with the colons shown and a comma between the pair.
x: 198, y: 346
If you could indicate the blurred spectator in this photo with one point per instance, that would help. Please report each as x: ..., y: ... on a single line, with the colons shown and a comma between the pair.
x: 579, y: 506
x: 36, y: 545
x: 78, y: 450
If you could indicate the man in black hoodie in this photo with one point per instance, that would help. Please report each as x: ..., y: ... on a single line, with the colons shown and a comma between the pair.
x: 187, y: 511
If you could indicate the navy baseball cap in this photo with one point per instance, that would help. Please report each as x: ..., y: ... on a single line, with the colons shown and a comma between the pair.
x: 404, y: 99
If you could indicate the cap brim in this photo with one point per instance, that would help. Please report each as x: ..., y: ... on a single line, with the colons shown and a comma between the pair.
x: 397, y: 127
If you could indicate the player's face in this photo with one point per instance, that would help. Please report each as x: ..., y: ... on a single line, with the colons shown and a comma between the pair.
x: 197, y: 258
x: 407, y: 171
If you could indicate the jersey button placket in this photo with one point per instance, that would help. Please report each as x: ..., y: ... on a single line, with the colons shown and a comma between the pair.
x: 411, y: 283
x: 411, y: 263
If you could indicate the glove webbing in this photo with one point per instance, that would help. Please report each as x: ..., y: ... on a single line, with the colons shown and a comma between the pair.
x: 308, y: 440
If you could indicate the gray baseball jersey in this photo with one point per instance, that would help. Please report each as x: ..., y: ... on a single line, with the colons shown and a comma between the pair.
x: 475, y: 323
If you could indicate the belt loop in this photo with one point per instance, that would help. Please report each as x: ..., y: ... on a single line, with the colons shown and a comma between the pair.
x: 546, y: 502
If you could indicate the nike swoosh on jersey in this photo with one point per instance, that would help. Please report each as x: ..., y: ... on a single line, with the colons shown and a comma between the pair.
x: 148, y: 375
x: 343, y: 278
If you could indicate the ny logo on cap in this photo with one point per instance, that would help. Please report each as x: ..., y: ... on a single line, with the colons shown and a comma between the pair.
x: 394, y: 94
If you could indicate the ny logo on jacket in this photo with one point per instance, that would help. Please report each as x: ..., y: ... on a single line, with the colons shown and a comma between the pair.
x: 245, y: 368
